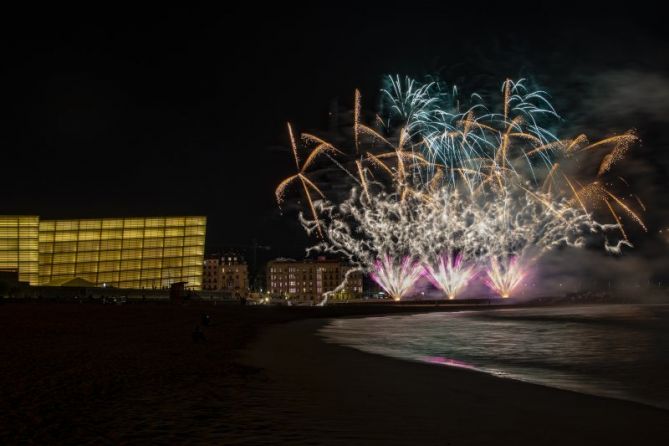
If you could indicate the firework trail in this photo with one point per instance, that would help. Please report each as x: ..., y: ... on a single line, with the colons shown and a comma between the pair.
x: 307, y: 185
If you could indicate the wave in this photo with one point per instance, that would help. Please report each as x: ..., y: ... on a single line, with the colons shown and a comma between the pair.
x: 617, y: 351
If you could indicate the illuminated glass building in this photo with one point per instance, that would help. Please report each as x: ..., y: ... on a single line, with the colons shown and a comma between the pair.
x: 121, y: 252
x: 19, y: 246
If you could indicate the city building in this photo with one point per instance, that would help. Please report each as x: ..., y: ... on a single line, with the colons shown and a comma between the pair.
x: 226, y: 272
x: 310, y: 279
x: 152, y: 252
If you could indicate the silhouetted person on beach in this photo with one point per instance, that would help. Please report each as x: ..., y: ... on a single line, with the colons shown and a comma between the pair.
x: 198, y: 334
x: 205, y: 319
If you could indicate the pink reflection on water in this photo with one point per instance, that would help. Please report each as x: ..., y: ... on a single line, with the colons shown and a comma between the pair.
x: 448, y: 361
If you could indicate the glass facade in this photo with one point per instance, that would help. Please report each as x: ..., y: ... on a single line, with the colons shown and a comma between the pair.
x: 120, y: 252
x: 19, y: 245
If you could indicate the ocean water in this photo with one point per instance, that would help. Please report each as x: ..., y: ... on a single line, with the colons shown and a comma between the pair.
x: 618, y: 351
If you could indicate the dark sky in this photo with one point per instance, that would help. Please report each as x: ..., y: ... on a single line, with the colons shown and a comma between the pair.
x: 183, y: 111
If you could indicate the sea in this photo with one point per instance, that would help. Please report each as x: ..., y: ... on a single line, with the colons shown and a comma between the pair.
x: 618, y: 351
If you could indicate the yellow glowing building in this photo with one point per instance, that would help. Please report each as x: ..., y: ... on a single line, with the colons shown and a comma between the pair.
x: 19, y: 246
x: 121, y: 252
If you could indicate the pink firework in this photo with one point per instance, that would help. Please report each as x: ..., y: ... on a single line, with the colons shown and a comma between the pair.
x: 504, y: 277
x: 449, y: 274
x: 396, y: 279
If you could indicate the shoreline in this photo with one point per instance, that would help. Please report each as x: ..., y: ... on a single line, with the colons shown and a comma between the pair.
x: 400, y: 401
x: 495, y: 372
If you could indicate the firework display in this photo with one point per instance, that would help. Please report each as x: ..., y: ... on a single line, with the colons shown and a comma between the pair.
x: 455, y: 193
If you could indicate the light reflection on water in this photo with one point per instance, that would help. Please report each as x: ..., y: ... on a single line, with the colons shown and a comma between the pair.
x: 620, y: 351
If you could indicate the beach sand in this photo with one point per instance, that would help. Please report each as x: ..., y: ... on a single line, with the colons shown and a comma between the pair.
x: 131, y: 374
x: 106, y: 374
x: 87, y: 373
x: 328, y: 394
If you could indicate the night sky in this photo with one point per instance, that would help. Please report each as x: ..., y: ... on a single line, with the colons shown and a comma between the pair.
x: 170, y: 111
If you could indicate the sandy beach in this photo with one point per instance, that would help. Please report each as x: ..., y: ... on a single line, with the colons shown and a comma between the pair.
x: 88, y: 373
x: 131, y: 374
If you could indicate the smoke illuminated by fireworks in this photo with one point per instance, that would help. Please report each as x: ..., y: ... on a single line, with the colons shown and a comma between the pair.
x: 448, y: 189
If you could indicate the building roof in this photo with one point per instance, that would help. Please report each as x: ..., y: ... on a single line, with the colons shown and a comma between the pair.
x: 72, y: 282
x: 318, y: 260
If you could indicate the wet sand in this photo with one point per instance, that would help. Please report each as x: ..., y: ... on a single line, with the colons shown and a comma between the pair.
x: 319, y: 393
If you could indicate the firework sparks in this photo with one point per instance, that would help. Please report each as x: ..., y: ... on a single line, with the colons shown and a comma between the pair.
x: 396, y: 279
x: 449, y: 274
x: 504, y: 276
x: 307, y: 185
x: 460, y: 178
x: 356, y: 120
